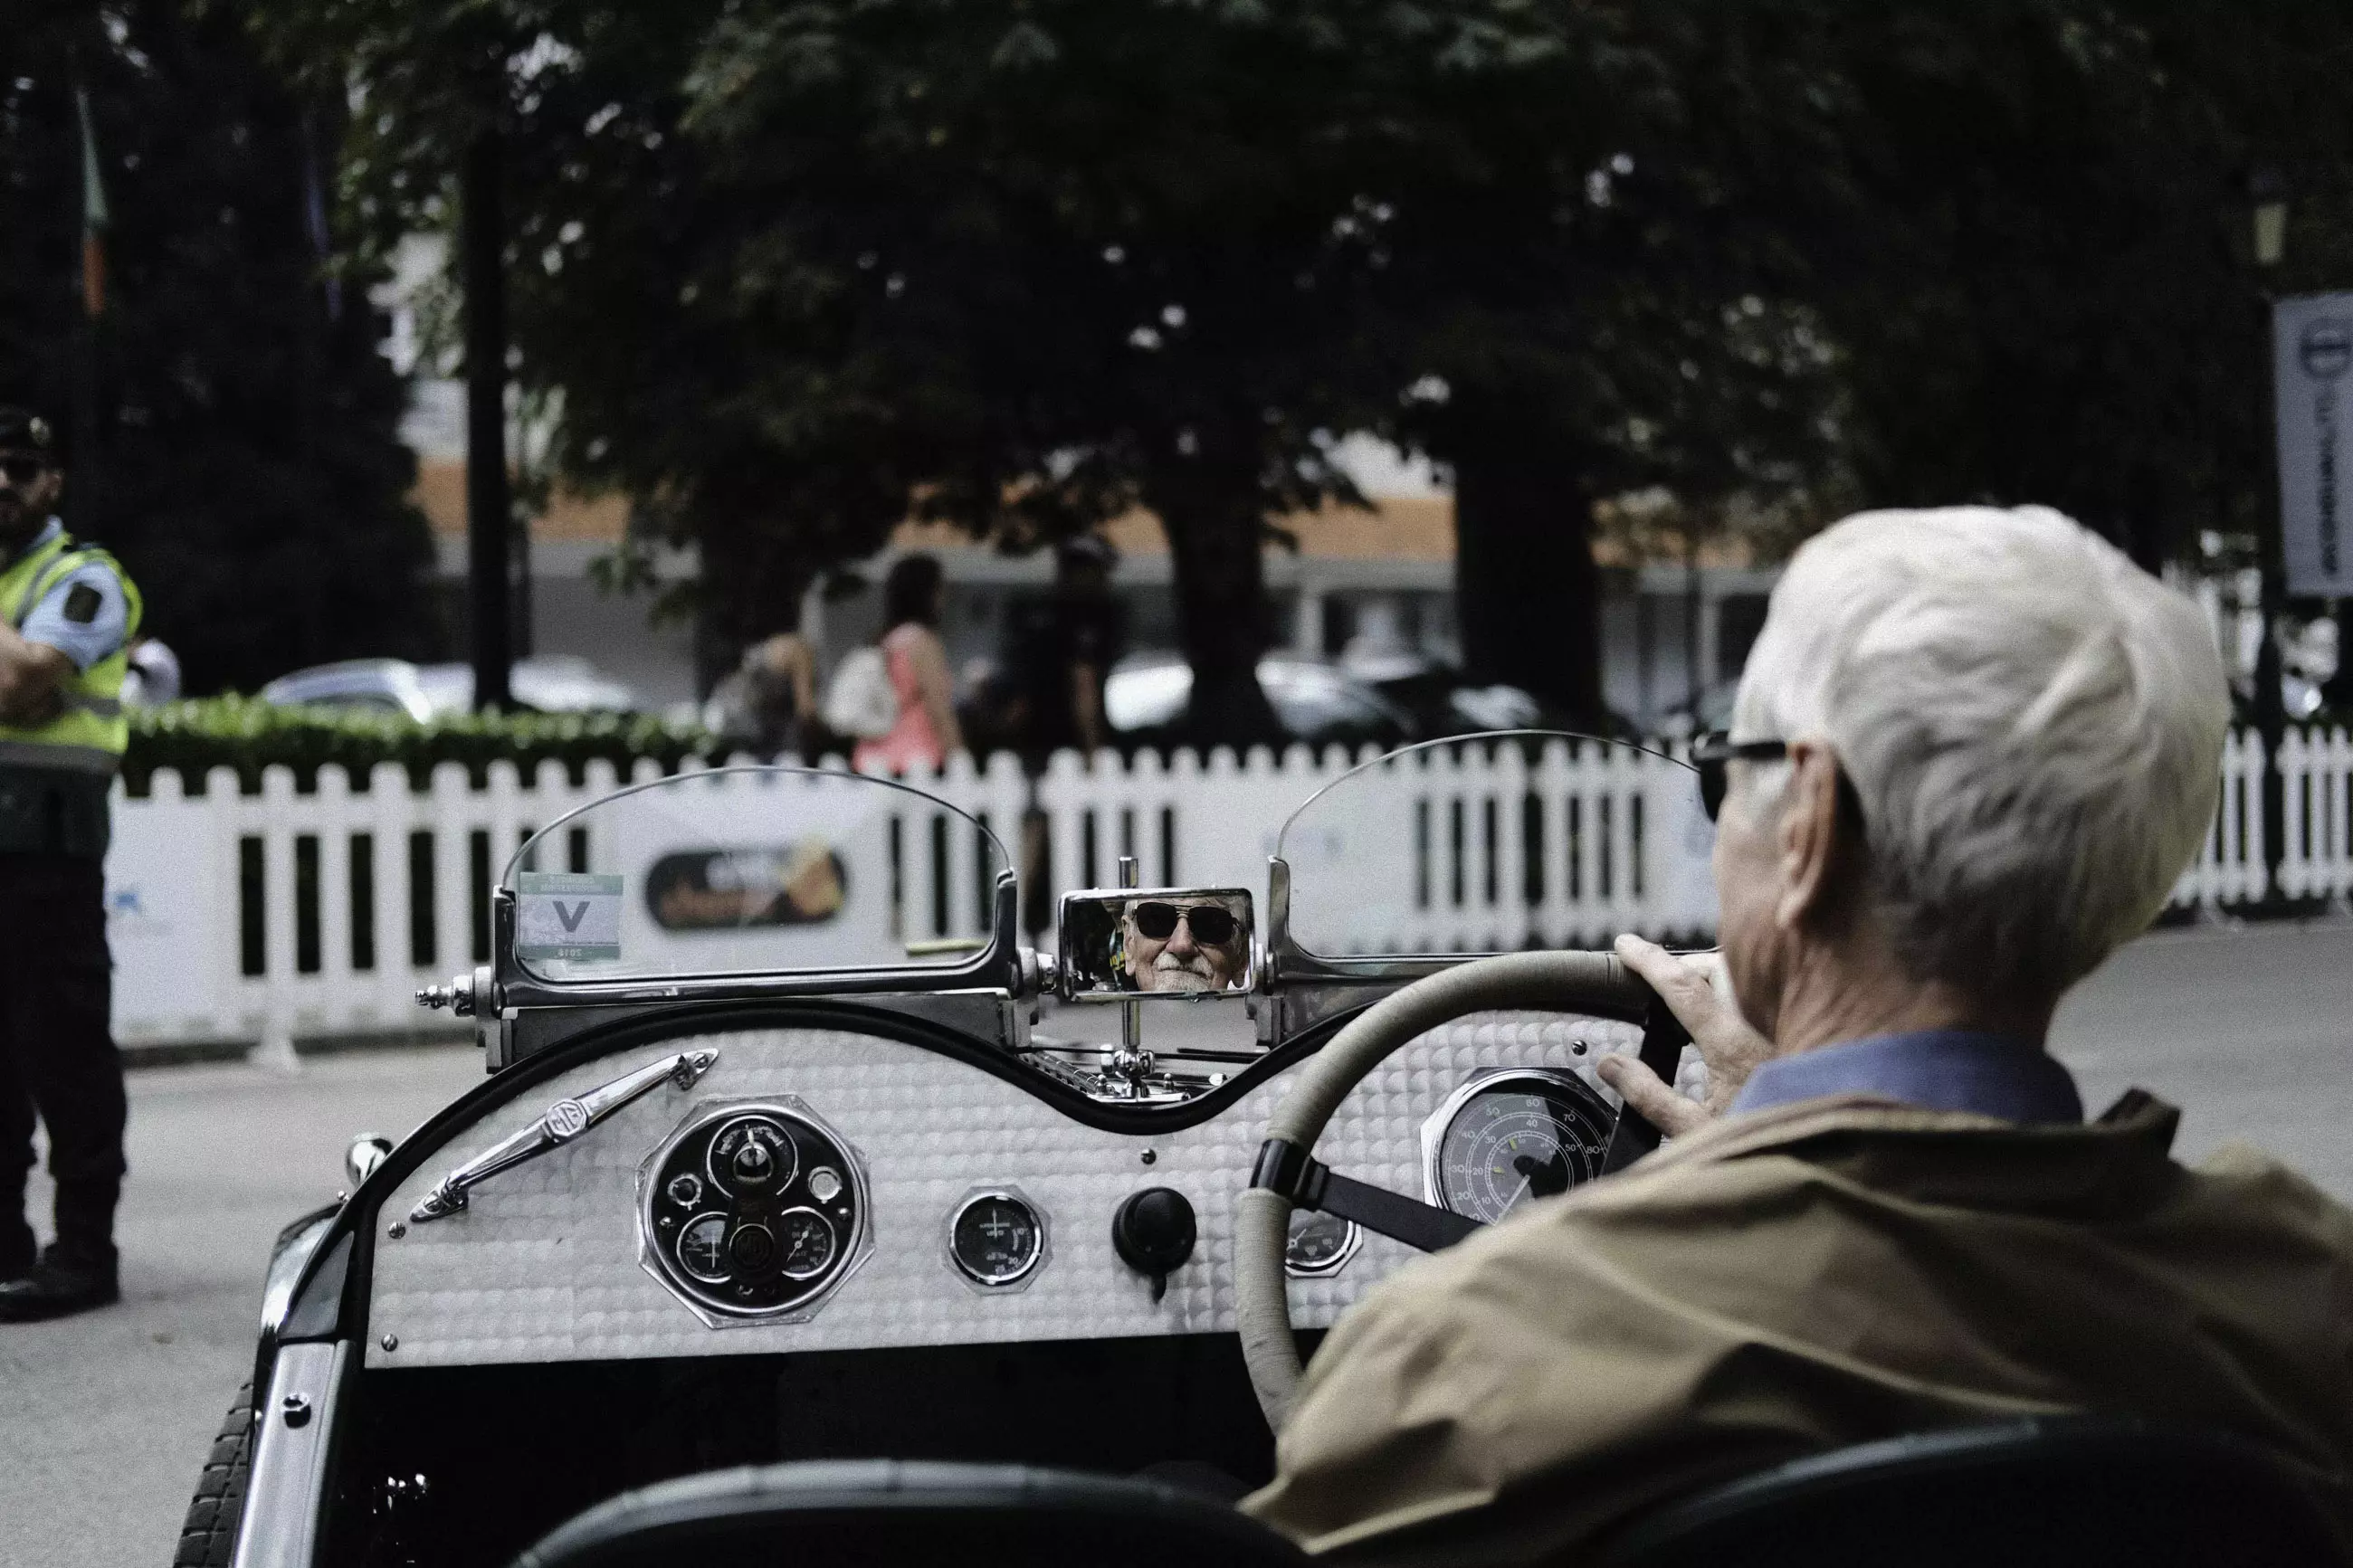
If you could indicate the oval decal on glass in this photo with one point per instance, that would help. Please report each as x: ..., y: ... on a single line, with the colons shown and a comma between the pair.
x: 760, y: 884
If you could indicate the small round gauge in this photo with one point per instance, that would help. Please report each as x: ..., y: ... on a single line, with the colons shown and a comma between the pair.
x: 807, y: 1239
x: 1516, y: 1137
x: 703, y: 1247
x: 685, y: 1189
x: 752, y: 1157
x: 995, y: 1238
x: 1320, y: 1244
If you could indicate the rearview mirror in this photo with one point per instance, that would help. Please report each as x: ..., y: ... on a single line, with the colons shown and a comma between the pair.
x: 1129, y: 944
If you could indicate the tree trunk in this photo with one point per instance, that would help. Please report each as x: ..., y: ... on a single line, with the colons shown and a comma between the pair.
x: 753, y: 576
x: 1214, y: 527
x: 1526, y: 591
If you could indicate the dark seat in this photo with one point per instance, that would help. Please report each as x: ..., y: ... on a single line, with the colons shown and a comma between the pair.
x: 835, y: 1513
x: 2083, y: 1491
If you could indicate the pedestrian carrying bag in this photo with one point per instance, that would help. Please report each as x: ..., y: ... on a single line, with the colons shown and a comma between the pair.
x: 862, y: 700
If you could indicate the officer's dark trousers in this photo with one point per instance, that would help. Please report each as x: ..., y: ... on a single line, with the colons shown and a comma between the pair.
x: 57, y: 1052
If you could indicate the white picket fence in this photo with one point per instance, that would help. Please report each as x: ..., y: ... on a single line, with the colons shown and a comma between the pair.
x: 316, y: 912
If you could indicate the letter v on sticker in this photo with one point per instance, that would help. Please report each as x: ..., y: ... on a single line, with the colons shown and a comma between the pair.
x: 568, y: 915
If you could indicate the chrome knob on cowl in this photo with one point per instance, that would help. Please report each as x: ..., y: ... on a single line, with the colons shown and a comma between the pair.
x: 1153, y: 1231
x: 367, y: 1153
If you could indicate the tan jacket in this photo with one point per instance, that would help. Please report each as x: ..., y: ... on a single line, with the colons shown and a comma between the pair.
x: 1815, y: 1275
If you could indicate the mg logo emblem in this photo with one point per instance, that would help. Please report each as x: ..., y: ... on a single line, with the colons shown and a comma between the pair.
x: 567, y: 1118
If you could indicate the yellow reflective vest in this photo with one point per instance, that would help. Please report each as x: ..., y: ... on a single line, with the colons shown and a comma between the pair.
x: 54, y: 776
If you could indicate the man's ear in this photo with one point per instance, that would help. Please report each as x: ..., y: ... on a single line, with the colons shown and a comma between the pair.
x: 1807, y: 839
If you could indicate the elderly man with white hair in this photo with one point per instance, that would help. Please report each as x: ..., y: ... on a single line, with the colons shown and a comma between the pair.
x: 1971, y: 753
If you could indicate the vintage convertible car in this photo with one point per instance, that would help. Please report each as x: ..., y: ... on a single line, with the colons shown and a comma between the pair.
x: 806, y: 1213
x: 775, y: 1161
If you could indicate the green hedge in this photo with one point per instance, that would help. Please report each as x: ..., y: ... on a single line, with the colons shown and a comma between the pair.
x: 247, y: 734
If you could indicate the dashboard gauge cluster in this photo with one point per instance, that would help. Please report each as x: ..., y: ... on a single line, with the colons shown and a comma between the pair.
x: 1511, y: 1137
x: 752, y: 1212
x: 997, y: 1238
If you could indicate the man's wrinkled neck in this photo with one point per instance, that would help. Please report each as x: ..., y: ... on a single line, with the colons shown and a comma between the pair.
x: 1854, y: 989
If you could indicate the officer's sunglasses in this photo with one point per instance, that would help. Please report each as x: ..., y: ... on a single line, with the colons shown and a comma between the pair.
x: 1212, y: 926
x: 22, y: 470
x: 1712, y: 755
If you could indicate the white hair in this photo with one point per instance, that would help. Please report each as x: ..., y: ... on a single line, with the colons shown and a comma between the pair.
x: 2033, y: 725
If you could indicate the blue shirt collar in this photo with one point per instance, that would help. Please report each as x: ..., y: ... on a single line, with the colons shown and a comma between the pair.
x: 1935, y: 1069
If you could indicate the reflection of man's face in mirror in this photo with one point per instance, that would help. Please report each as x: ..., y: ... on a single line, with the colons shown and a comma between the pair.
x: 1183, y: 944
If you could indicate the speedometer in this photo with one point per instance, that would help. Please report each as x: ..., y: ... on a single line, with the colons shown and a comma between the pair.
x: 1512, y: 1137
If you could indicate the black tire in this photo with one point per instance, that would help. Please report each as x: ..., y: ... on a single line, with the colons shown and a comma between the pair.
x: 208, y: 1536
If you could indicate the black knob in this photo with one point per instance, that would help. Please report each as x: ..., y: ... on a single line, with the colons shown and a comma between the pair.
x: 754, y: 1247
x: 1152, y: 1233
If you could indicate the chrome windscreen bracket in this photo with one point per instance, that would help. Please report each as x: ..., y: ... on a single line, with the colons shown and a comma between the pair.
x: 1300, y: 989
x: 558, y: 1125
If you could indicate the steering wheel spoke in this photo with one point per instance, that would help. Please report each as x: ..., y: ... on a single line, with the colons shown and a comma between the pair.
x: 1286, y: 1168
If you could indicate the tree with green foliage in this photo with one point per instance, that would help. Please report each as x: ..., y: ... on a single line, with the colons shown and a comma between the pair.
x: 245, y: 464
x: 797, y: 271
x: 1023, y: 267
x: 2044, y: 292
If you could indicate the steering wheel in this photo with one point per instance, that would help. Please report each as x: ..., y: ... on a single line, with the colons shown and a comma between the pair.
x: 1288, y: 1174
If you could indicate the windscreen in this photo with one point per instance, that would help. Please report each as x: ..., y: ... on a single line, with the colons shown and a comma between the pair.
x: 1500, y: 842
x: 754, y: 871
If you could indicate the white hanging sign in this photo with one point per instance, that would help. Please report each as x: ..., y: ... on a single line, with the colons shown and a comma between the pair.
x: 2312, y: 354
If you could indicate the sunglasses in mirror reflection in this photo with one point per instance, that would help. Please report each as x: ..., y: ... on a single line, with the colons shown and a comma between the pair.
x: 1166, y: 942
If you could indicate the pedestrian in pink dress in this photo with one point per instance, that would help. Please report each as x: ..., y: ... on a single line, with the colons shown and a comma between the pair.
x: 926, y: 730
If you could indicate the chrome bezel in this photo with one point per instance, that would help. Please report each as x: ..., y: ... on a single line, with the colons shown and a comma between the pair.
x: 715, y: 1311
x: 1021, y: 1278
x: 1433, y: 1128
x: 1349, y: 1247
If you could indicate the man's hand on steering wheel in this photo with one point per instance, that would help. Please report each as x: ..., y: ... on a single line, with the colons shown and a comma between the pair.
x: 1699, y: 993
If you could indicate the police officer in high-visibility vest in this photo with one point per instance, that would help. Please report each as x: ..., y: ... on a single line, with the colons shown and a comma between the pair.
x: 68, y: 613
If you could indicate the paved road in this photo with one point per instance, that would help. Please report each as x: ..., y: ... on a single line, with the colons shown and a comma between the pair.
x: 104, y: 1419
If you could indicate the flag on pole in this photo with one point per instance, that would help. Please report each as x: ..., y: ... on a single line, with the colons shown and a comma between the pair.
x: 93, y: 216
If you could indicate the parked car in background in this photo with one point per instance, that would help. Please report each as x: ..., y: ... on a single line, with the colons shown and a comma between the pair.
x: 553, y: 684
x: 1314, y: 701
x: 1437, y: 701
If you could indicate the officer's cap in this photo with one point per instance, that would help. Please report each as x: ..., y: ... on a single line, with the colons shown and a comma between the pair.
x: 22, y: 430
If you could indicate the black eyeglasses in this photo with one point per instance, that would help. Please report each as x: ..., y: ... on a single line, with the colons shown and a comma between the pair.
x: 1210, y: 925
x: 23, y: 470
x: 1711, y: 752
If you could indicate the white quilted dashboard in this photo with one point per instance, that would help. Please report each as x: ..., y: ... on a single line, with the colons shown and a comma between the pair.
x: 543, y: 1265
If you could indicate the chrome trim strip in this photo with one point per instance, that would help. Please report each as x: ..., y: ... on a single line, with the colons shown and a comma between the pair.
x: 559, y: 1124
x: 287, y: 1487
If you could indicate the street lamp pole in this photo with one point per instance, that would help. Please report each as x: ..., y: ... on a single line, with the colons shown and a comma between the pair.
x: 2267, y: 237
x: 483, y: 240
